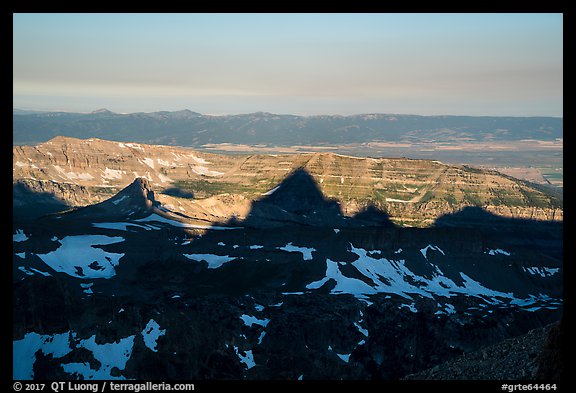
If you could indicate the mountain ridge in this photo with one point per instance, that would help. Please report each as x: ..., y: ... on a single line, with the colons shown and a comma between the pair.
x: 188, y: 128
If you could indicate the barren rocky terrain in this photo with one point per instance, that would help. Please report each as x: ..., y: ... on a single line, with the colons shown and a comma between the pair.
x: 536, y: 355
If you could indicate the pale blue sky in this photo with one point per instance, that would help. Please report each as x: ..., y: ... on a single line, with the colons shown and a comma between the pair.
x: 469, y: 64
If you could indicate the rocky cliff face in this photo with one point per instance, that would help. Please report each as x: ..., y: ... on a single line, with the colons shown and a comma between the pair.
x: 202, y: 185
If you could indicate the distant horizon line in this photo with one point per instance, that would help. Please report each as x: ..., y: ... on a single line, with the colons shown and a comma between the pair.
x: 103, y: 110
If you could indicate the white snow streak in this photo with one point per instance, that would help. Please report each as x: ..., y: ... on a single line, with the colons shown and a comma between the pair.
x: 424, y: 250
x: 272, y: 191
x: 117, y: 201
x: 498, y: 251
x: 157, y: 218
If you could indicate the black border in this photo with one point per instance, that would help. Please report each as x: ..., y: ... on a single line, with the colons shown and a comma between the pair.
x: 420, y: 6
x: 409, y: 6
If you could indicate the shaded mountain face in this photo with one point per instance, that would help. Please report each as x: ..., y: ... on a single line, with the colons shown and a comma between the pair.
x: 294, y: 289
x: 187, y: 128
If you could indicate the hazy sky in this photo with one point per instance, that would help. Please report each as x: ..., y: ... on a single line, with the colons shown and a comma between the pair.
x: 470, y: 64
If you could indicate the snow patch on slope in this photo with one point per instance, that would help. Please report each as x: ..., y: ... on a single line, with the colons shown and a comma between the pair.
x: 79, y: 257
x: 151, y: 333
x: 214, y: 261
x: 497, y: 251
x: 306, y: 251
x: 250, y: 320
x: 24, y: 354
x: 247, y: 359
x: 19, y: 236
x: 149, y: 162
x: 112, y: 174
x: 109, y: 355
x: 203, y: 171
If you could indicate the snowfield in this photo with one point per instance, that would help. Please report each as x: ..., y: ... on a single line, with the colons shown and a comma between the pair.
x: 80, y: 257
x: 393, y: 277
x: 109, y: 355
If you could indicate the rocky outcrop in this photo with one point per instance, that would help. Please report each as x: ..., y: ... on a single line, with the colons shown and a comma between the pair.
x: 536, y: 355
x: 551, y: 356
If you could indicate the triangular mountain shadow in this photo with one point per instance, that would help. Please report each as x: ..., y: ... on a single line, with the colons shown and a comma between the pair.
x: 299, y: 200
x: 299, y: 193
x: 134, y: 201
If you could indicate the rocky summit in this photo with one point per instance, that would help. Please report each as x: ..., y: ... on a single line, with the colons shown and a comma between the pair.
x: 157, y: 263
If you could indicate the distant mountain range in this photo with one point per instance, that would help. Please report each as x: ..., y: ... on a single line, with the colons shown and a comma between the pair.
x: 188, y: 128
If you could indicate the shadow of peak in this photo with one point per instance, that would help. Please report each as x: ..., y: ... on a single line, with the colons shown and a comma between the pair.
x: 296, y: 200
x: 480, y: 218
x: 30, y: 202
x: 466, y: 215
x: 372, y: 215
x: 178, y: 192
x: 299, y: 193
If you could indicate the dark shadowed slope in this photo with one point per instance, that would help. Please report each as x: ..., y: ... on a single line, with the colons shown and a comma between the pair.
x: 536, y: 355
